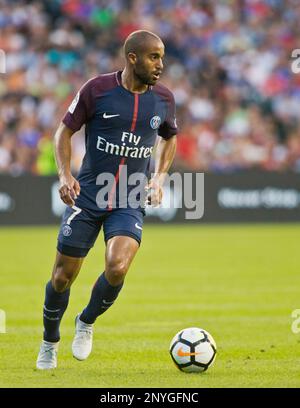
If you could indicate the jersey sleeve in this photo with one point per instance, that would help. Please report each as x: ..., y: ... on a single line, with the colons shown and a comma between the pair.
x: 81, y: 108
x: 169, y: 127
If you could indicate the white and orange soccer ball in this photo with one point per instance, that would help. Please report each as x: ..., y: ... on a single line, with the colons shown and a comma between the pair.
x: 193, y: 350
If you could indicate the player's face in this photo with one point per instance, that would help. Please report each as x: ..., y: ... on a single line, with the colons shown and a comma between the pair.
x: 148, y: 66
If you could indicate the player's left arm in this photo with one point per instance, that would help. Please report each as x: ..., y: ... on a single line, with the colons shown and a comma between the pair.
x: 165, y: 152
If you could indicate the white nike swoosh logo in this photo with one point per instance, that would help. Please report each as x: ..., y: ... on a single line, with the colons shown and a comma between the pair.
x: 137, y: 226
x: 109, y: 116
x: 107, y: 303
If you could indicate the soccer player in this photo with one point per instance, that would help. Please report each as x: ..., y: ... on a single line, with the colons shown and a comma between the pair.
x: 123, y: 112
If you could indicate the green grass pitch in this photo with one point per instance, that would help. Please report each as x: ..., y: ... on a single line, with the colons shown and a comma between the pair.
x: 241, y: 283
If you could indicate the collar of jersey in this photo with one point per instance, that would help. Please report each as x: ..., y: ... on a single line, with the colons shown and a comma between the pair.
x: 119, y: 81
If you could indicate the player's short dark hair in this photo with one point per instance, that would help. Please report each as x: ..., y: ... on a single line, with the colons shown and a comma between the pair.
x: 136, y: 41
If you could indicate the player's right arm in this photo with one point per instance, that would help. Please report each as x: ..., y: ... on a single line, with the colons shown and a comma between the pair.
x: 79, y: 113
x: 69, y: 186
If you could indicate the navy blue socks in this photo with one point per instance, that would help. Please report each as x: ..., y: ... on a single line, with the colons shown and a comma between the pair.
x: 103, y: 296
x: 54, y: 308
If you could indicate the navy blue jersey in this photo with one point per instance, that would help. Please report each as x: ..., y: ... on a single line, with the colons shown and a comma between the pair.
x: 121, y: 130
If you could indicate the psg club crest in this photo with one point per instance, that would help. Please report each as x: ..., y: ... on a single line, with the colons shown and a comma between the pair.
x: 67, y: 230
x: 155, y: 122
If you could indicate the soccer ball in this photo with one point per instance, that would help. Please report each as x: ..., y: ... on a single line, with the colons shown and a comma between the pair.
x: 193, y: 350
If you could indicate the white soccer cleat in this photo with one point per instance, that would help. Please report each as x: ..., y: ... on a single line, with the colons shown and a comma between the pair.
x: 83, y: 340
x: 47, y: 358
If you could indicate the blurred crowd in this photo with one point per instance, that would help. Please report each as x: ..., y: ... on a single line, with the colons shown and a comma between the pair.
x: 228, y: 63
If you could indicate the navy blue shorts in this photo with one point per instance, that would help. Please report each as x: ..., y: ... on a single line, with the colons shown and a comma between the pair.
x: 79, y: 229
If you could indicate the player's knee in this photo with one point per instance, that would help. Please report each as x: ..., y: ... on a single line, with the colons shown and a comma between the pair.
x: 116, y: 270
x: 61, y: 280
